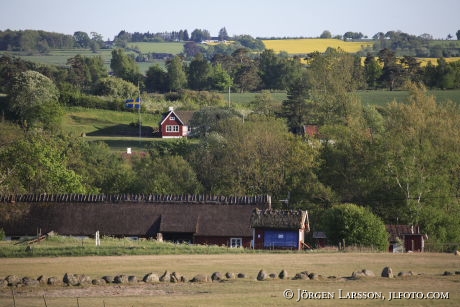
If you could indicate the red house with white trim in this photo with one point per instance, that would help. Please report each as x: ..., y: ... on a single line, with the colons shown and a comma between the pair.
x: 176, y: 124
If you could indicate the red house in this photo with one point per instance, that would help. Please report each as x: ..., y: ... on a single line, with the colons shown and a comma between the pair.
x: 176, y: 124
x: 406, y: 238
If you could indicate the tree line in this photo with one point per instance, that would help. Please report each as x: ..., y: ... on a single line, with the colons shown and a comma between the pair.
x: 400, y: 160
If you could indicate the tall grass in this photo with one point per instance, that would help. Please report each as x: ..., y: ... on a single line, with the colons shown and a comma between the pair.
x: 59, y: 246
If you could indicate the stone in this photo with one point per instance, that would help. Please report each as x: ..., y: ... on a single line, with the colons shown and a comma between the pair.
x: 283, y: 275
x: 405, y: 274
x: 98, y: 282
x: 165, y: 277
x: 53, y: 281
x: 42, y: 279
x: 120, y: 279
x: 132, y: 279
x: 216, y: 276
x: 13, y: 280
x: 176, y: 277
x: 230, y: 275
x: 242, y: 275
x: 151, y: 278
x: 387, y: 272
x: 76, y: 279
x: 200, y: 278
x: 108, y: 279
x: 302, y: 275
x: 30, y: 282
x: 262, y: 275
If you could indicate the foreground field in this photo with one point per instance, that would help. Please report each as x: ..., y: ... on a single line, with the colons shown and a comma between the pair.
x: 238, y: 292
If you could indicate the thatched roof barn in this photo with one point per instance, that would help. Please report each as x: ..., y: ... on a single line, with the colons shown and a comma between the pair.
x: 192, y: 218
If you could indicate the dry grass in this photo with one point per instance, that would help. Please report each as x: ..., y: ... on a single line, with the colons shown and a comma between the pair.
x: 235, y: 292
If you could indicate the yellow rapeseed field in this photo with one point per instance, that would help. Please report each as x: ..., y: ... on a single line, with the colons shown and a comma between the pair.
x: 308, y: 45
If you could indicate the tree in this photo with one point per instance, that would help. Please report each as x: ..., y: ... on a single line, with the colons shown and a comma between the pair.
x: 354, y: 225
x: 326, y: 34
x: 199, y: 72
x: 176, y: 74
x: 223, y: 35
x: 220, y: 79
x: 156, y: 79
x: 372, y: 71
x: 124, y: 66
x: 37, y: 164
x: 82, y: 39
x: 115, y: 88
x: 33, y: 98
x: 391, y: 69
x: 296, y: 108
x: 457, y: 34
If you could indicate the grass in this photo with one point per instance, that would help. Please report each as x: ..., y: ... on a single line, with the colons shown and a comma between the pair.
x: 152, y: 47
x: 239, y: 292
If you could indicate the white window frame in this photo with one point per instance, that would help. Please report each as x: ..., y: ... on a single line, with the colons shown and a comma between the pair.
x: 236, y: 242
x: 172, y: 118
x: 172, y: 128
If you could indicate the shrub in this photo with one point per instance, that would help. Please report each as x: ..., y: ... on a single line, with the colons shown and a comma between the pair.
x: 356, y: 225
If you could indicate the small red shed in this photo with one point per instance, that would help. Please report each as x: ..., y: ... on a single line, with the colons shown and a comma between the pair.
x: 406, y: 238
x: 176, y: 124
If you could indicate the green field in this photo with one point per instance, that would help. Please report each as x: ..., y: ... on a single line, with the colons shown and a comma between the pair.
x: 144, y: 47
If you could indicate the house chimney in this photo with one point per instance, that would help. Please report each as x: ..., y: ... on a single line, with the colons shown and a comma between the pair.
x: 171, y: 109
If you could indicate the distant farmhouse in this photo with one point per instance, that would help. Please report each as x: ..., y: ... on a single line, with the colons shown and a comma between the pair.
x: 176, y: 124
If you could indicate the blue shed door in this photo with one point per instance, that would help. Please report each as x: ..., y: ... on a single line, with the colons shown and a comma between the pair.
x: 281, y: 238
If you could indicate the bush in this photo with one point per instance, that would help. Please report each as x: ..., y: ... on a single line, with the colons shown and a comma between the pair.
x: 356, y: 225
x: 2, y: 234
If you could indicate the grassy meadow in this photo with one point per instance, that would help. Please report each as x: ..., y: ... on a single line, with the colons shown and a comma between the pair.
x: 428, y: 269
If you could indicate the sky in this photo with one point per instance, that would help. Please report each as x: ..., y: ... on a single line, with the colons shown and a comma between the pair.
x: 258, y: 18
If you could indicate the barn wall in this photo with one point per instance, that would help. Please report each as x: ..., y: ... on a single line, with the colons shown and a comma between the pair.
x: 221, y: 241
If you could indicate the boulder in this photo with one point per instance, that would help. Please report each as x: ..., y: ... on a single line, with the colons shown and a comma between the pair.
x: 12, y: 280
x: 216, y: 276
x: 30, y: 282
x: 387, y: 272
x: 262, y: 275
x: 447, y: 273
x: 176, y: 277
x: 406, y: 274
x: 3, y: 283
x: 76, y: 279
x: 362, y: 273
x: 302, y: 275
x: 121, y: 279
x: 108, y: 279
x: 132, y: 279
x: 53, y: 281
x: 456, y: 253
x: 98, y: 282
x: 230, y: 275
x: 283, y: 275
x: 242, y: 275
x: 151, y: 278
x: 200, y: 278
x: 42, y: 279
x: 314, y: 276
x: 165, y: 277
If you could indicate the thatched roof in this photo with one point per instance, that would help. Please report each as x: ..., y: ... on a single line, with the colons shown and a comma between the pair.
x: 129, y: 215
x: 280, y: 219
